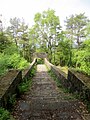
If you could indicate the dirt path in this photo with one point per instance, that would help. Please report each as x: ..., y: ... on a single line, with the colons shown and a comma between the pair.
x: 46, y: 102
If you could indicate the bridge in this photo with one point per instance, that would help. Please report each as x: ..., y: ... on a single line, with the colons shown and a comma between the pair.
x: 45, y: 100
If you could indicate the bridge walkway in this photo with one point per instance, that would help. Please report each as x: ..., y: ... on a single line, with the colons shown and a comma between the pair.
x: 45, y: 101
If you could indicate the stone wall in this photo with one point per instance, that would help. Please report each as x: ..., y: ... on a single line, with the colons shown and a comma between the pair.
x: 10, y: 82
x: 79, y: 83
x: 76, y: 82
x: 8, y: 85
x: 60, y: 75
x: 40, y: 55
x: 26, y: 72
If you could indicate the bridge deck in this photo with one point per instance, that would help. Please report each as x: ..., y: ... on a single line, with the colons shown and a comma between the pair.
x: 46, y: 102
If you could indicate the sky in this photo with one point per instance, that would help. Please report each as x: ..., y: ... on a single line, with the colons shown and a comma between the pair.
x: 28, y: 8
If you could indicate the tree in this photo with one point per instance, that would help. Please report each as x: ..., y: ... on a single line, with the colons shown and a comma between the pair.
x: 81, y: 58
x: 33, y: 37
x: 23, y: 38
x: 75, y: 26
x: 1, y: 24
x: 13, y: 29
x: 88, y: 31
x: 48, y: 26
x: 63, y: 50
x: 18, y: 30
x: 4, y: 42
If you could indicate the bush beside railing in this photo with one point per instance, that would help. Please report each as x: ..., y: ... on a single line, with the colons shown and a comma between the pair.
x: 10, y: 82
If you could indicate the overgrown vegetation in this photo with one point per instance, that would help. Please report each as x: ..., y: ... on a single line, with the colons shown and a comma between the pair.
x: 5, y: 115
x: 11, y: 59
x: 27, y: 83
x: 40, y: 61
x: 81, y: 57
x: 22, y: 88
x: 69, y: 47
x: 11, y: 101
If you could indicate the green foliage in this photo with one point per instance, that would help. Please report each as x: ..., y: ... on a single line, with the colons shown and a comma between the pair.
x: 65, y: 48
x: 27, y: 83
x: 17, y: 31
x: 10, y: 58
x: 5, y: 115
x: 63, y: 52
x: 33, y: 71
x: 47, y: 26
x: 3, y: 63
x: 12, y: 100
x: 24, y: 86
x: 17, y: 62
x: 76, y: 26
x: 40, y: 61
x: 81, y: 58
x: 4, y: 42
x: 11, y: 49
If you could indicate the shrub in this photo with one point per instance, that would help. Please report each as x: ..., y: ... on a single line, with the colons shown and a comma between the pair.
x: 3, y: 63
x: 11, y: 101
x: 5, y: 115
x: 82, y: 60
x: 40, y: 61
x: 27, y: 83
x: 11, y: 59
x: 18, y: 62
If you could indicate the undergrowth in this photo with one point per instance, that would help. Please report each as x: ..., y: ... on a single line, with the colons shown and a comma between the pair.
x: 5, y: 114
x: 27, y: 83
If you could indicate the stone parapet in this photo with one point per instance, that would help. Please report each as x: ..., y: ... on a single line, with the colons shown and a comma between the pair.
x: 26, y: 72
x: 8, y: 85
x: 76, y: 82
x: 10, y: 81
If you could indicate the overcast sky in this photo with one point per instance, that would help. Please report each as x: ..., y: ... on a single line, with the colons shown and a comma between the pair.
x: 28, y: 8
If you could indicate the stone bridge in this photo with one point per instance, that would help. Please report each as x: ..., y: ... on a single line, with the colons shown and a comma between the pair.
x: 44, y: 100
x: 40, y: 55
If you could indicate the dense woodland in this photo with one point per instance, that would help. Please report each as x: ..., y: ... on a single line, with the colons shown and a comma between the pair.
x: 65, y: 47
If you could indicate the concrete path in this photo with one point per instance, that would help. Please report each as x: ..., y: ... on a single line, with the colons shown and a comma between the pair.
x: 44, y: 101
